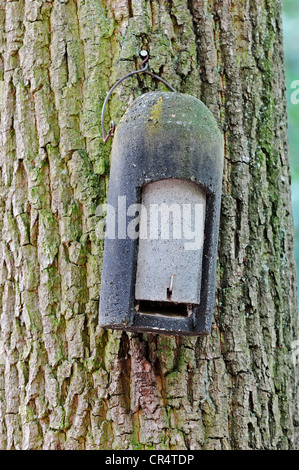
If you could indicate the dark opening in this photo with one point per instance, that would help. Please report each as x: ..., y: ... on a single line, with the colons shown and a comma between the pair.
x: 169, y: 309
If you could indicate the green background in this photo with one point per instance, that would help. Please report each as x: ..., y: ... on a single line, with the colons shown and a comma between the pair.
x: 291, y: 42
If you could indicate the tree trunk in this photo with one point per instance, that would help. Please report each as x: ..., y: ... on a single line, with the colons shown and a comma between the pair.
x: 64, y: 383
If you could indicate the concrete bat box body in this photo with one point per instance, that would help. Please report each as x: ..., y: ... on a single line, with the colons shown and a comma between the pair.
x: 159, y: 267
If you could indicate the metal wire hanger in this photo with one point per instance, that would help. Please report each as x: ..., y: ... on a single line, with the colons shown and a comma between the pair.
x: 143, y: 69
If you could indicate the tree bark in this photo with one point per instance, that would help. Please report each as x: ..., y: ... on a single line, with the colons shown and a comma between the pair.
x: 64, y: 383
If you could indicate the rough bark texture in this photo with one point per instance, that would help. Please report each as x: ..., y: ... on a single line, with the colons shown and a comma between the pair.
x: 65, y: 384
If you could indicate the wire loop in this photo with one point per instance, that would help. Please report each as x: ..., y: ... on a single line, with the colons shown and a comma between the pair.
x: 143, y: 69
